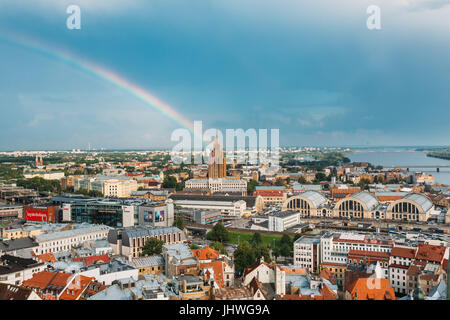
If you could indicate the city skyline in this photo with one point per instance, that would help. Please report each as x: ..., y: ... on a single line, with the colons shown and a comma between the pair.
x: 313, y: 70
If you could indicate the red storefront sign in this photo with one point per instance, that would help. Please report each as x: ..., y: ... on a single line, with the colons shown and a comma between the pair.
x: 36, y: 215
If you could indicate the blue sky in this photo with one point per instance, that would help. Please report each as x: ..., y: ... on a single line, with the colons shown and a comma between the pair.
x: 310, y: 68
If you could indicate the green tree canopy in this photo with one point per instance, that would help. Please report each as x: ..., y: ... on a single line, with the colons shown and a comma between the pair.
x: 179, y: 223
x: 169, y: 182
x: 243, y: 256
x: 219, y: 247
x: 152, y: 246
x: 256, y: 239
x: 218, y: 233
x: 251, y: 186
x: 301, y: 180
x: 262, y: 251
x: 194, y: 246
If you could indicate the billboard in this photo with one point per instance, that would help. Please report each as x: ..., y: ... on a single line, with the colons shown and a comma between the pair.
x: 156, y: 216
x: 159, y: 216
x: 36, y: 215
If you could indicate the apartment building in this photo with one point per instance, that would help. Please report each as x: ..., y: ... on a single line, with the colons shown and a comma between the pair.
x: 66, y: 240
x: 109, y: 186
x: 14, y: 270
x: 307, y: 253
x: 129, y: 241
x: 399, y: 262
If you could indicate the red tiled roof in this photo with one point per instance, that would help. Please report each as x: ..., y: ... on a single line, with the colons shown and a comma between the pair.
x: 400, y: 266
x: 88, y: 261
x: 362, y: 289
x: 274, y: 193
x: 46, y: 257
x: 364, y: 253
x: 293, y: 270
x: 403, y: 252
x: 76, y: 287
x: 43, y: 279
x: 206, y: 253
x: 218, y: 267
x: 430, y: 252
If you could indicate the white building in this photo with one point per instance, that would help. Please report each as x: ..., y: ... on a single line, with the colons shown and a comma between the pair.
x: 45, y: 175
x: 14, y: 270
x: 399, y: 262
x: 265, y: 273
x: 307, y: 252
x: 231, y: 208
x: 283, y: 220
x: 217, y: 185
x: 107, y: 273
x: 66, y: 240
x: 335, y: 246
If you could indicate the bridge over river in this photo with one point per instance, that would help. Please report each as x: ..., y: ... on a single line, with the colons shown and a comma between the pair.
x: 417, y: 167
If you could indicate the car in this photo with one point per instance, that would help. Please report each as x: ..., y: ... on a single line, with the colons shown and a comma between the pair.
x: 189, y: 242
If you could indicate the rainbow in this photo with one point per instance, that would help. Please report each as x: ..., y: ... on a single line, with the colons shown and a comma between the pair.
x: 101, y: 73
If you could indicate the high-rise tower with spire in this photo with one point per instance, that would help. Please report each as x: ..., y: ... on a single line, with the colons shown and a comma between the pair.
x: 217, y: 166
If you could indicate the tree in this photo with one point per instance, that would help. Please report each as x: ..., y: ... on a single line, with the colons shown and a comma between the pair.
x: 262, y: 251
x: 40, y: 184
x: 285, y: 248
x: 243, y: 256
x: 363, y: 183
x: 179, y: 223
x: 193, y: 246
x: 152, y: 246
x: 279, y: 182
x: 169, y: 182
x: 219, y: 247
x: 256, y: 239
x: 251, y: 186
x: 286, y: 239
x: 179, y: 186
x: 301, y: 180
x: 218, y: 233
x: 320, y: 176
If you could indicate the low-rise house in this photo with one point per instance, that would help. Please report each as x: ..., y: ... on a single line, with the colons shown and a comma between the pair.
x: 371, y: 289
x: 108, y: 272
x: 13, y: 292
x: 149, y: 265
x: 309, y: 287
x: 15, y: 270
x: 48, y: 285
x: 266, y: 273
x: 242, y: 293
x: 217, y: 267
x: 179, y: 260
x: 192, y: 287
x: 81, y: 288
x: 151, y: 287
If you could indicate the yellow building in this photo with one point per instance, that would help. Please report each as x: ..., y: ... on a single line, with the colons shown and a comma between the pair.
x: 149, y: 265
x: 337, y: 269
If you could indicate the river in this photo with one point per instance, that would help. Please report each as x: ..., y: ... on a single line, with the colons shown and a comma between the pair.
x: 404, y: 157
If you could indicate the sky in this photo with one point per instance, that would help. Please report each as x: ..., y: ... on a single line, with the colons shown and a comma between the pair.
x: 311, y: 69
